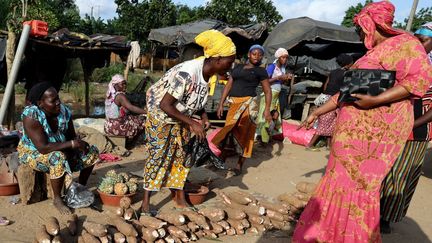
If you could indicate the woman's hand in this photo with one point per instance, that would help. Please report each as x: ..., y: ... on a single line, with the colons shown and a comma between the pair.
x: 198, y: 130
x: 205, y: 122
x: 366, y: 101
x: 286, y: 77
x: 309, y: 122
x: 220, y: 111
x: 80, y: 145
x: 267, y: 115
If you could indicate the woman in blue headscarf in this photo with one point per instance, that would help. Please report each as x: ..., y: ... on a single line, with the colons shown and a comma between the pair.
x: 243, y: 111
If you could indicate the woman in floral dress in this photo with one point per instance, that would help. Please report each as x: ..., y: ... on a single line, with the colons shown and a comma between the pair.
x: 368, y: 136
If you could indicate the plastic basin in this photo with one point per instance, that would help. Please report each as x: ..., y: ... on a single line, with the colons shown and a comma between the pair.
x: 112, y: 199
x: 8, y: 185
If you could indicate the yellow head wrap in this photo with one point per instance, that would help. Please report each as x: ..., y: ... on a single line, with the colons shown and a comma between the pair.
x: 215, y: 44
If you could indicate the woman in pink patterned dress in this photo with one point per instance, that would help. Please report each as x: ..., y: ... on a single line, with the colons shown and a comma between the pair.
x: 368, y: 136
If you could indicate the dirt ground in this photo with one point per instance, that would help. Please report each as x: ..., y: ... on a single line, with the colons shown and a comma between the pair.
x: 271, y: 171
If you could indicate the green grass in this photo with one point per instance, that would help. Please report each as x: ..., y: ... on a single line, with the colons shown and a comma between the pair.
x: 77, y: 90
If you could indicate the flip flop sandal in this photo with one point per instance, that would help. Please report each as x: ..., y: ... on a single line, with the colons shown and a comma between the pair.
x: 233, y: 172
x: 4, y: 222
x: 152, y: 213
x: 313, y: 149
x: 189, y: 208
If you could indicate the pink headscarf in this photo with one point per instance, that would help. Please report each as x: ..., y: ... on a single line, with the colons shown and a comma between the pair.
x: 374, y: 14
x: 116, y: 79
x: 281, y: 52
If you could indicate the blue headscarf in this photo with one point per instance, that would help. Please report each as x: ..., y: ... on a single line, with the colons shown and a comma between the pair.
x: 425, y: 30
x: 256, y: 46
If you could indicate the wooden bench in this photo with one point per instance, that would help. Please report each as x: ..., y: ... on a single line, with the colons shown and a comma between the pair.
x: 34, y: 186
x: 310, y: 98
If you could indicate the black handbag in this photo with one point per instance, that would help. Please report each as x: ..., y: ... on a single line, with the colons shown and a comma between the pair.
x: 199, y: 153
x: 365, y: 81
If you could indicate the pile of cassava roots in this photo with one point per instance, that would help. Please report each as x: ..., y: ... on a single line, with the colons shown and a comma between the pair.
x: 237, y: 213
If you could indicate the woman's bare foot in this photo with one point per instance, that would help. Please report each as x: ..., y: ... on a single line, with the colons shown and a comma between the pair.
x: 180, y: 200
x: 58, y: 203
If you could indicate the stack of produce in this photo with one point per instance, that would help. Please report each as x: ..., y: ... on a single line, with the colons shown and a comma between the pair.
x: 239, y: 213
x: 50, y: 231
x: 118, y: 183
x: 297, y: 201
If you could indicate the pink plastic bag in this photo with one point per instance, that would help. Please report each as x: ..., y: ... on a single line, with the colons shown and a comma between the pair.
x: 301, y: 136
x: 213, y: 147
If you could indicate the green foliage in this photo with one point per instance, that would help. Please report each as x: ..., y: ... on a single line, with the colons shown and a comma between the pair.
x: 137, y: 18
x: 5, y: 9
x: 78, y: 91
x: 351, y: 12
x: 133, y: 80
x: 423, y: 16
x: 113, y: 27
x: 243, y: 12
x: 89, y: 25
x: 184, y: 14
x: 103, y: 75
x: 19, y: 88
x: 57, y: 13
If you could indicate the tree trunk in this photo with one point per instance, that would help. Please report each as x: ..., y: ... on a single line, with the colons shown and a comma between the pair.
x: 10, y: 55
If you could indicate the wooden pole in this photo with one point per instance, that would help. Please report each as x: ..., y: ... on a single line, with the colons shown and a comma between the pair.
x: 128, y: 64
x: 165, y: 62
x: 412, y: 15
x: 152, y: 52
x: 87, y: 73
x: 291, y: 91
x: 87, y: 93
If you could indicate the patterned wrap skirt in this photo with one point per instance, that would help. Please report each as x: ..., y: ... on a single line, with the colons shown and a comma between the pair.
x: 326, y: 123
x: 128, y: 126
x: 241, y: 123
x: 165, y: 155
x: 400, y: 183
x: 57, y: 163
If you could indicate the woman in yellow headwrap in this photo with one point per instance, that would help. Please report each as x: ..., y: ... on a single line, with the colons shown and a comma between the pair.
x: 171, y: 102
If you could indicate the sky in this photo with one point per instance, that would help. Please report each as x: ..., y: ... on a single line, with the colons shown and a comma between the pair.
x: 325, y: 10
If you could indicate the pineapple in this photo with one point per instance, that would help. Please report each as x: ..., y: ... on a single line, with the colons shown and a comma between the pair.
x: 125, y: 176
x: 117, y: 179
x: 106, y: 186
x: 120, y: 188
x: 133, y: 180
x: 111, y: 173
x: 132, y: 186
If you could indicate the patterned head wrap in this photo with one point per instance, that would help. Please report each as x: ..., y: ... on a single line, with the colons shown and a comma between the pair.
x: 215, y: 44
x: 116, y: 79
x: 373, y: 15
x: 280, y: 52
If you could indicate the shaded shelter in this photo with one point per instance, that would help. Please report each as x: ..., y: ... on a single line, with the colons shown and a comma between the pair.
x: 46, y: 57
x: 319, y: 39
x: 3, y: 71
x: 314, y: 43
x: 313, y: 46
x: 181, y: 37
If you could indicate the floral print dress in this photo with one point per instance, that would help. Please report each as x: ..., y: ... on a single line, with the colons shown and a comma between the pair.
x: 346, y: 204
x: 56, y: 163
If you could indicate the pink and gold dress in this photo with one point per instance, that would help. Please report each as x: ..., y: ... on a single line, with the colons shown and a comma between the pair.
x: 345, y: 206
